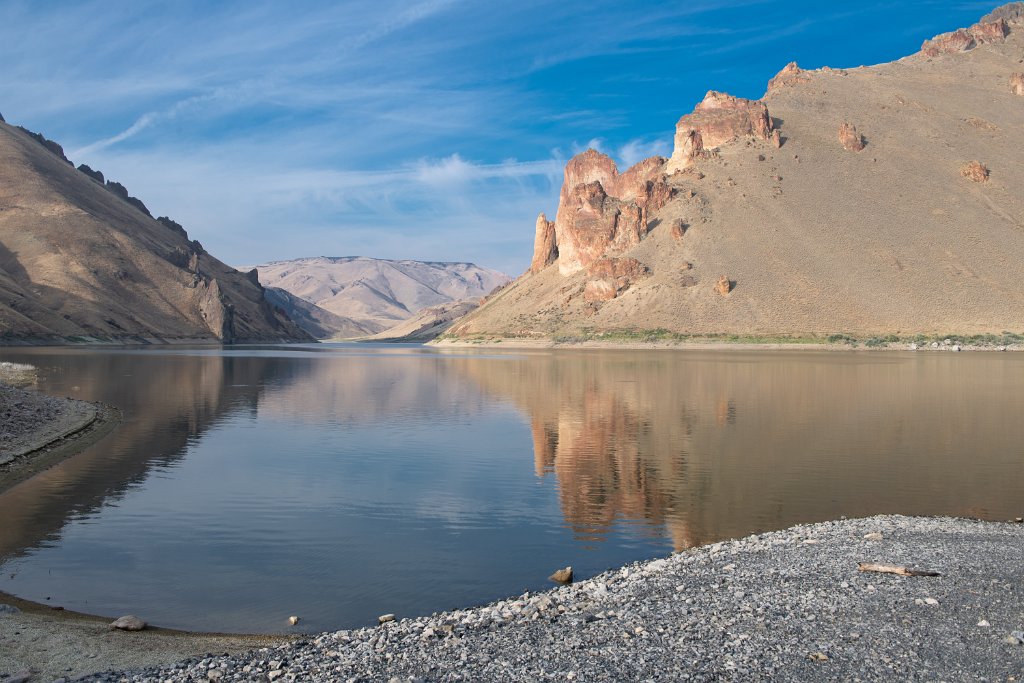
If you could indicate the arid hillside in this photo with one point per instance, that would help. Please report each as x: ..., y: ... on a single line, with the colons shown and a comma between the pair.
x: 81, y: 260
x: 871, y: 200
x: 377, y: 294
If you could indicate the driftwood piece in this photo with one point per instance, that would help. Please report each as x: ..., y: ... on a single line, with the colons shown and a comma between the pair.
x: 893, y: 569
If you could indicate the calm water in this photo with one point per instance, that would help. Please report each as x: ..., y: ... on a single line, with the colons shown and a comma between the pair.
x: 342, y: 482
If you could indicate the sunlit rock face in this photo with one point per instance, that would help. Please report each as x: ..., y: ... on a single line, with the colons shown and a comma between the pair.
x: 790, y: 75
x: 717, y: 120
x: 601, y: 212
x: 965, y: 39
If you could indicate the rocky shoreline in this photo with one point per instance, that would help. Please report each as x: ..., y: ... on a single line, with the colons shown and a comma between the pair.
x: 789, y: 605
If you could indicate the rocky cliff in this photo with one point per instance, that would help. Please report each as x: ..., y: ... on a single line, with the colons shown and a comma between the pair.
x: 82, y: 260
x: 871, y: 200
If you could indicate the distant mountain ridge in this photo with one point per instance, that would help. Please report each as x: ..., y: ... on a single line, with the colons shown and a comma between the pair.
x: 377, y: 294
x: 81, y: 260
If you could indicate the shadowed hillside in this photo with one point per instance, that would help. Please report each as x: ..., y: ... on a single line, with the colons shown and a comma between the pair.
x: 80, y: 259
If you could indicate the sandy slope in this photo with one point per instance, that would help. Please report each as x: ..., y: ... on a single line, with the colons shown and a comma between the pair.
x: 817, y: 239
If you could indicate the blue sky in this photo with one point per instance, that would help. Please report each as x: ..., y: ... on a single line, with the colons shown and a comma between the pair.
x: 431, y: 130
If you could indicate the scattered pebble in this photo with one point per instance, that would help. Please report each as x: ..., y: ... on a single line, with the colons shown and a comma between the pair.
x: 777, y: 614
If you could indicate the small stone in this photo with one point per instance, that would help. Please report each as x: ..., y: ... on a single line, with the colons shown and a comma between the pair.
x: 913, y: 347
x: 562, y: 575
x: 214, y: 674
x: 385, y: 618
x: 273, y: 675
x: 984, y: 623
x: 931, y: 601
x: 1019, y: 635
x: 918, y: 601
x: 1014, y: 640
x: 128, y: 623
x: 293, y: 620
x: 818, y: 657
x: 873, y: 536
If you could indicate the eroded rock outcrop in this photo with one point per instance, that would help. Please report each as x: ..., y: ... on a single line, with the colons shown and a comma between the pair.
x: 975, y: 171
x: 545, y: 250
x: 600, y: 213
x: 851, y: 140
x: 47, y: 143
x: 95, y: 175
x: 612, y: 276
x: 717, y: 120
x: 965, y: 39
x: 1011, y: 11
x: 1017, y: 84
x: 723, y: 286
x: 790, y: 75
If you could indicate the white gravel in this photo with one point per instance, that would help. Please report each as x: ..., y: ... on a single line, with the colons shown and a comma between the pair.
x: 782, y: 606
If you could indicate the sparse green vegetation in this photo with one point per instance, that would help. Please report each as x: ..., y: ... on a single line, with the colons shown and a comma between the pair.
x: 663, y: 336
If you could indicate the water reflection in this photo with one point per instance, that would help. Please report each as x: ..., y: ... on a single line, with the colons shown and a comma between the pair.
x: 345, y: 482
x: 717, y: 445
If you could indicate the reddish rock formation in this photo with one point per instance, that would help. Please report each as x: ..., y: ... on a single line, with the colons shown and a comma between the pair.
x: 719, y: 119
x: 851, y: 140
x: 990, y: 31
x: 612, y: 277
x: 600, y: 212
x: 975, y: 170
x: 965, y: 39
x: 790, y: 75
x: 678, y: 229
x: 1017, y: 84
x: 545, y: 251
x: 723, y: 286
x: 948, y: 43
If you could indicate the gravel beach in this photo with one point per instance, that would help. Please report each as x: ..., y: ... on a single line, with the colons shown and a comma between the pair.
x: 782, y: 606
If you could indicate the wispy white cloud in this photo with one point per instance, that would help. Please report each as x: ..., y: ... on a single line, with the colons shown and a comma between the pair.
x: 427, y: 129
x: 639, y: 149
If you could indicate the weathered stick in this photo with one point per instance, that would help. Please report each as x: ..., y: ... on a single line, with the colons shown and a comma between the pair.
x: 893, y: 569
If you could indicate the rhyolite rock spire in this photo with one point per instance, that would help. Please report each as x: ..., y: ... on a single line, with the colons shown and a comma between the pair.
x: 600, y: 212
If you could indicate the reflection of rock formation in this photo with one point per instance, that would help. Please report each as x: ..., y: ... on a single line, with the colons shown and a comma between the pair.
x: 168, y: 401
x: 719, y: 445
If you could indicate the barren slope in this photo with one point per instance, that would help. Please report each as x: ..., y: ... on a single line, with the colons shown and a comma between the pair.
x: 377, y: 293
x: 427, y: 324
x: 79, y: 261
x: 811, y: 237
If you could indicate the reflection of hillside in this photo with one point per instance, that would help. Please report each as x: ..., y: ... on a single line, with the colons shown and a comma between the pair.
x: 369, y: 389
x: 167, y: 401
x: 716, y: 445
